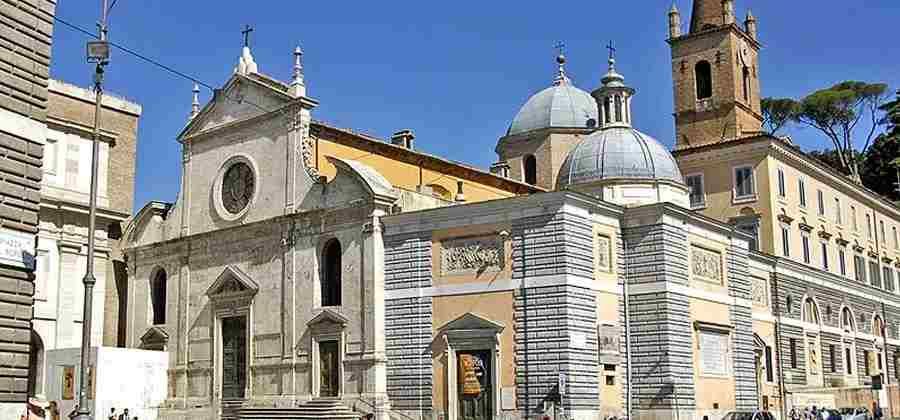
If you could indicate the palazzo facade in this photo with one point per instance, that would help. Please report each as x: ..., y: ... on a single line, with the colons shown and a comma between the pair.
x: 311, y: 270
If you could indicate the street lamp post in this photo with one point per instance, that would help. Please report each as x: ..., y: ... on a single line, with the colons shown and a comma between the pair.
x: 97, y: 52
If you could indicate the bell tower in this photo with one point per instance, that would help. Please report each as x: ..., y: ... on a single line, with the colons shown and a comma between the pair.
x: 715, y: 74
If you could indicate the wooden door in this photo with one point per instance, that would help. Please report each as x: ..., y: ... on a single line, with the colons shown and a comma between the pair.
x: 234, y: 358
x: 475, y: 391
x: 329, y: 382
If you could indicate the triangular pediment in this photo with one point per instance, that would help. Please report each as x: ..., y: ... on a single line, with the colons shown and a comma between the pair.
x: 231, y: 281
x: 243, y: 98
x: 328, y: 318
x: 470, y: 321
x: 155, y: 335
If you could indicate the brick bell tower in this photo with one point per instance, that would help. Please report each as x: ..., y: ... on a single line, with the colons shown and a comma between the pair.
x: 715, y: 74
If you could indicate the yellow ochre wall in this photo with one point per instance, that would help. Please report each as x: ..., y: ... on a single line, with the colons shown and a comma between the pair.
x: 404, y: 175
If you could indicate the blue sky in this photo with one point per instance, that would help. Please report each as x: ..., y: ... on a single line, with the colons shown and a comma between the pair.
x: 454, y: 72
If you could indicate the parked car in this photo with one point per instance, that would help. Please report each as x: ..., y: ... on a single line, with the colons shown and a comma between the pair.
x: 749, y: 415
x: 855, y: 413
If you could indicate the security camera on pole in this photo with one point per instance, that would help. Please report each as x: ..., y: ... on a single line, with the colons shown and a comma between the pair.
x: 97, y: 52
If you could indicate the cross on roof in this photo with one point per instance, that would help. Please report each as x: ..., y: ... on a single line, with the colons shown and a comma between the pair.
x: 612, y: 50
x: 560, y: 46
x: 246, y: 33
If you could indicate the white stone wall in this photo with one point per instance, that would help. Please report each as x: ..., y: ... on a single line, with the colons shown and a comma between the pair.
x: 67, y: 168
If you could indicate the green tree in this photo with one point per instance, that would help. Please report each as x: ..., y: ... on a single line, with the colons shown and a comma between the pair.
x: 879, y: 168
x: 777, y: 112
x: 830, y: 158
x: 837, y: 111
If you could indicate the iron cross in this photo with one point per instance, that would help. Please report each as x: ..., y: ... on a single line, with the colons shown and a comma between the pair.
x: 246, y: 33
x: 612, y: 50
x: 560, y: 46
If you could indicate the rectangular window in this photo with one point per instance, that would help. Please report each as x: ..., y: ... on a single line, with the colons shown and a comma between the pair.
x: 838, y: 217
x: 750, y: 227
x: 896, y: 244
x: 842, y: 261
x: 793, y: 350
x: 874, y: 274
x: 781, y: 188
x: 853, y: 215
x: 849, y: 360
x: 881, y: 230
x: 833, y: 357
x: 770, y: 370
x: 806, y: 255
x: 859, y: 268
x: 695, y: 186
x: 887, y: 276
x: 743, y: 182
x: 801, y: 185
x: 72, y: 154
x: 869, y: 234
x: 825, y: 256
x: 821, y: 197
x: 785, y: 242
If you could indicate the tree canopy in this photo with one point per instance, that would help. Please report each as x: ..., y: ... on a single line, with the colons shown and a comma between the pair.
x: 836, y: 112
x: 778, y: 112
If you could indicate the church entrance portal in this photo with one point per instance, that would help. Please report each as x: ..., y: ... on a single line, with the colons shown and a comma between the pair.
x: 328, y: 364
x: 475, y: 381
x: 234, y: 357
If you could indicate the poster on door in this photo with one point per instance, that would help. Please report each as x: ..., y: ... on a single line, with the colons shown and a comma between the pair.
x: 68, y: 382
x: 468, y: 375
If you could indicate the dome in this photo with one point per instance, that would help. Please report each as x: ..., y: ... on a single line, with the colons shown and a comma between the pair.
x: 560, y: 106
x: 617, y: 152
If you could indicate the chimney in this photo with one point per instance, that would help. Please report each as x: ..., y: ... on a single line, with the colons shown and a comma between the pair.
x: 460, y: 197
x: 403, y: 138
x: 500, y: 169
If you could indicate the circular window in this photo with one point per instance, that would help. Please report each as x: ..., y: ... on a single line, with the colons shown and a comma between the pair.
x: 237, y: 187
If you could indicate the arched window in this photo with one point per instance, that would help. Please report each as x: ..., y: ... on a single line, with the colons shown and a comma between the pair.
x: 331, y: 274
x: 529, y: 167
x: 618, y: 108
x: 158, y: 297
x: 746, y: 84
x: 607, y: 110
x: 847, y: 321
x: 703, y: 78
x: 810, y: 311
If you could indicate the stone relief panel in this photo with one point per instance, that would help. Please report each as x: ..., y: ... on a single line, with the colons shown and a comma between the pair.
x: 472, y: 255
x: 706, y: 265
x: 759, y: 292
x: 604, y: 253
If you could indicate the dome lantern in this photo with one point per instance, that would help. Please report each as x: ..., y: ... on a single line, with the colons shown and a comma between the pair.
x: 613, y: 96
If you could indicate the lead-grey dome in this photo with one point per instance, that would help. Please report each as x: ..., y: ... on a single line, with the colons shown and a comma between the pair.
x: 618, y: 152
x: 559, y: 106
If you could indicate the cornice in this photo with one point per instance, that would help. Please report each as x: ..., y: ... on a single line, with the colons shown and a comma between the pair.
x: 733, y: 27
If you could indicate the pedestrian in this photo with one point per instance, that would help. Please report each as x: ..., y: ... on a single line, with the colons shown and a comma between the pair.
x: 124, y: 415
x: 112, y: 413
x: 53, y: 408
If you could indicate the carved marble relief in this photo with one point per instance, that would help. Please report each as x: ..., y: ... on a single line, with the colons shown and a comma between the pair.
x: 706, y: 265
x: 758, y: 292
x: 604, y: 253
x: 471, y: 255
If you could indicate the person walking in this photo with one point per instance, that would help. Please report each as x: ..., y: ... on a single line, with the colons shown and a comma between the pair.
x: 124, y: 415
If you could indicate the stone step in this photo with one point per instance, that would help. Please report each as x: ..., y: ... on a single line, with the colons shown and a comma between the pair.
x: 317, y: 409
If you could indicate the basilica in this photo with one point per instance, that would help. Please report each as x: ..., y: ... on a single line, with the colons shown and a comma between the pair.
x: 311, y: 271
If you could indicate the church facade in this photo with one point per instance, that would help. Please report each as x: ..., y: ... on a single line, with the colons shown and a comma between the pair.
x: 314, y: 271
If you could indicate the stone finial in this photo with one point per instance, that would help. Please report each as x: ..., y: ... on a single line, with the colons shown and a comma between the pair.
x: 728, y: 11
x: 195, y: 103
x: 750, y: 25
x: 298, y: 87
x: 674, y: 22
